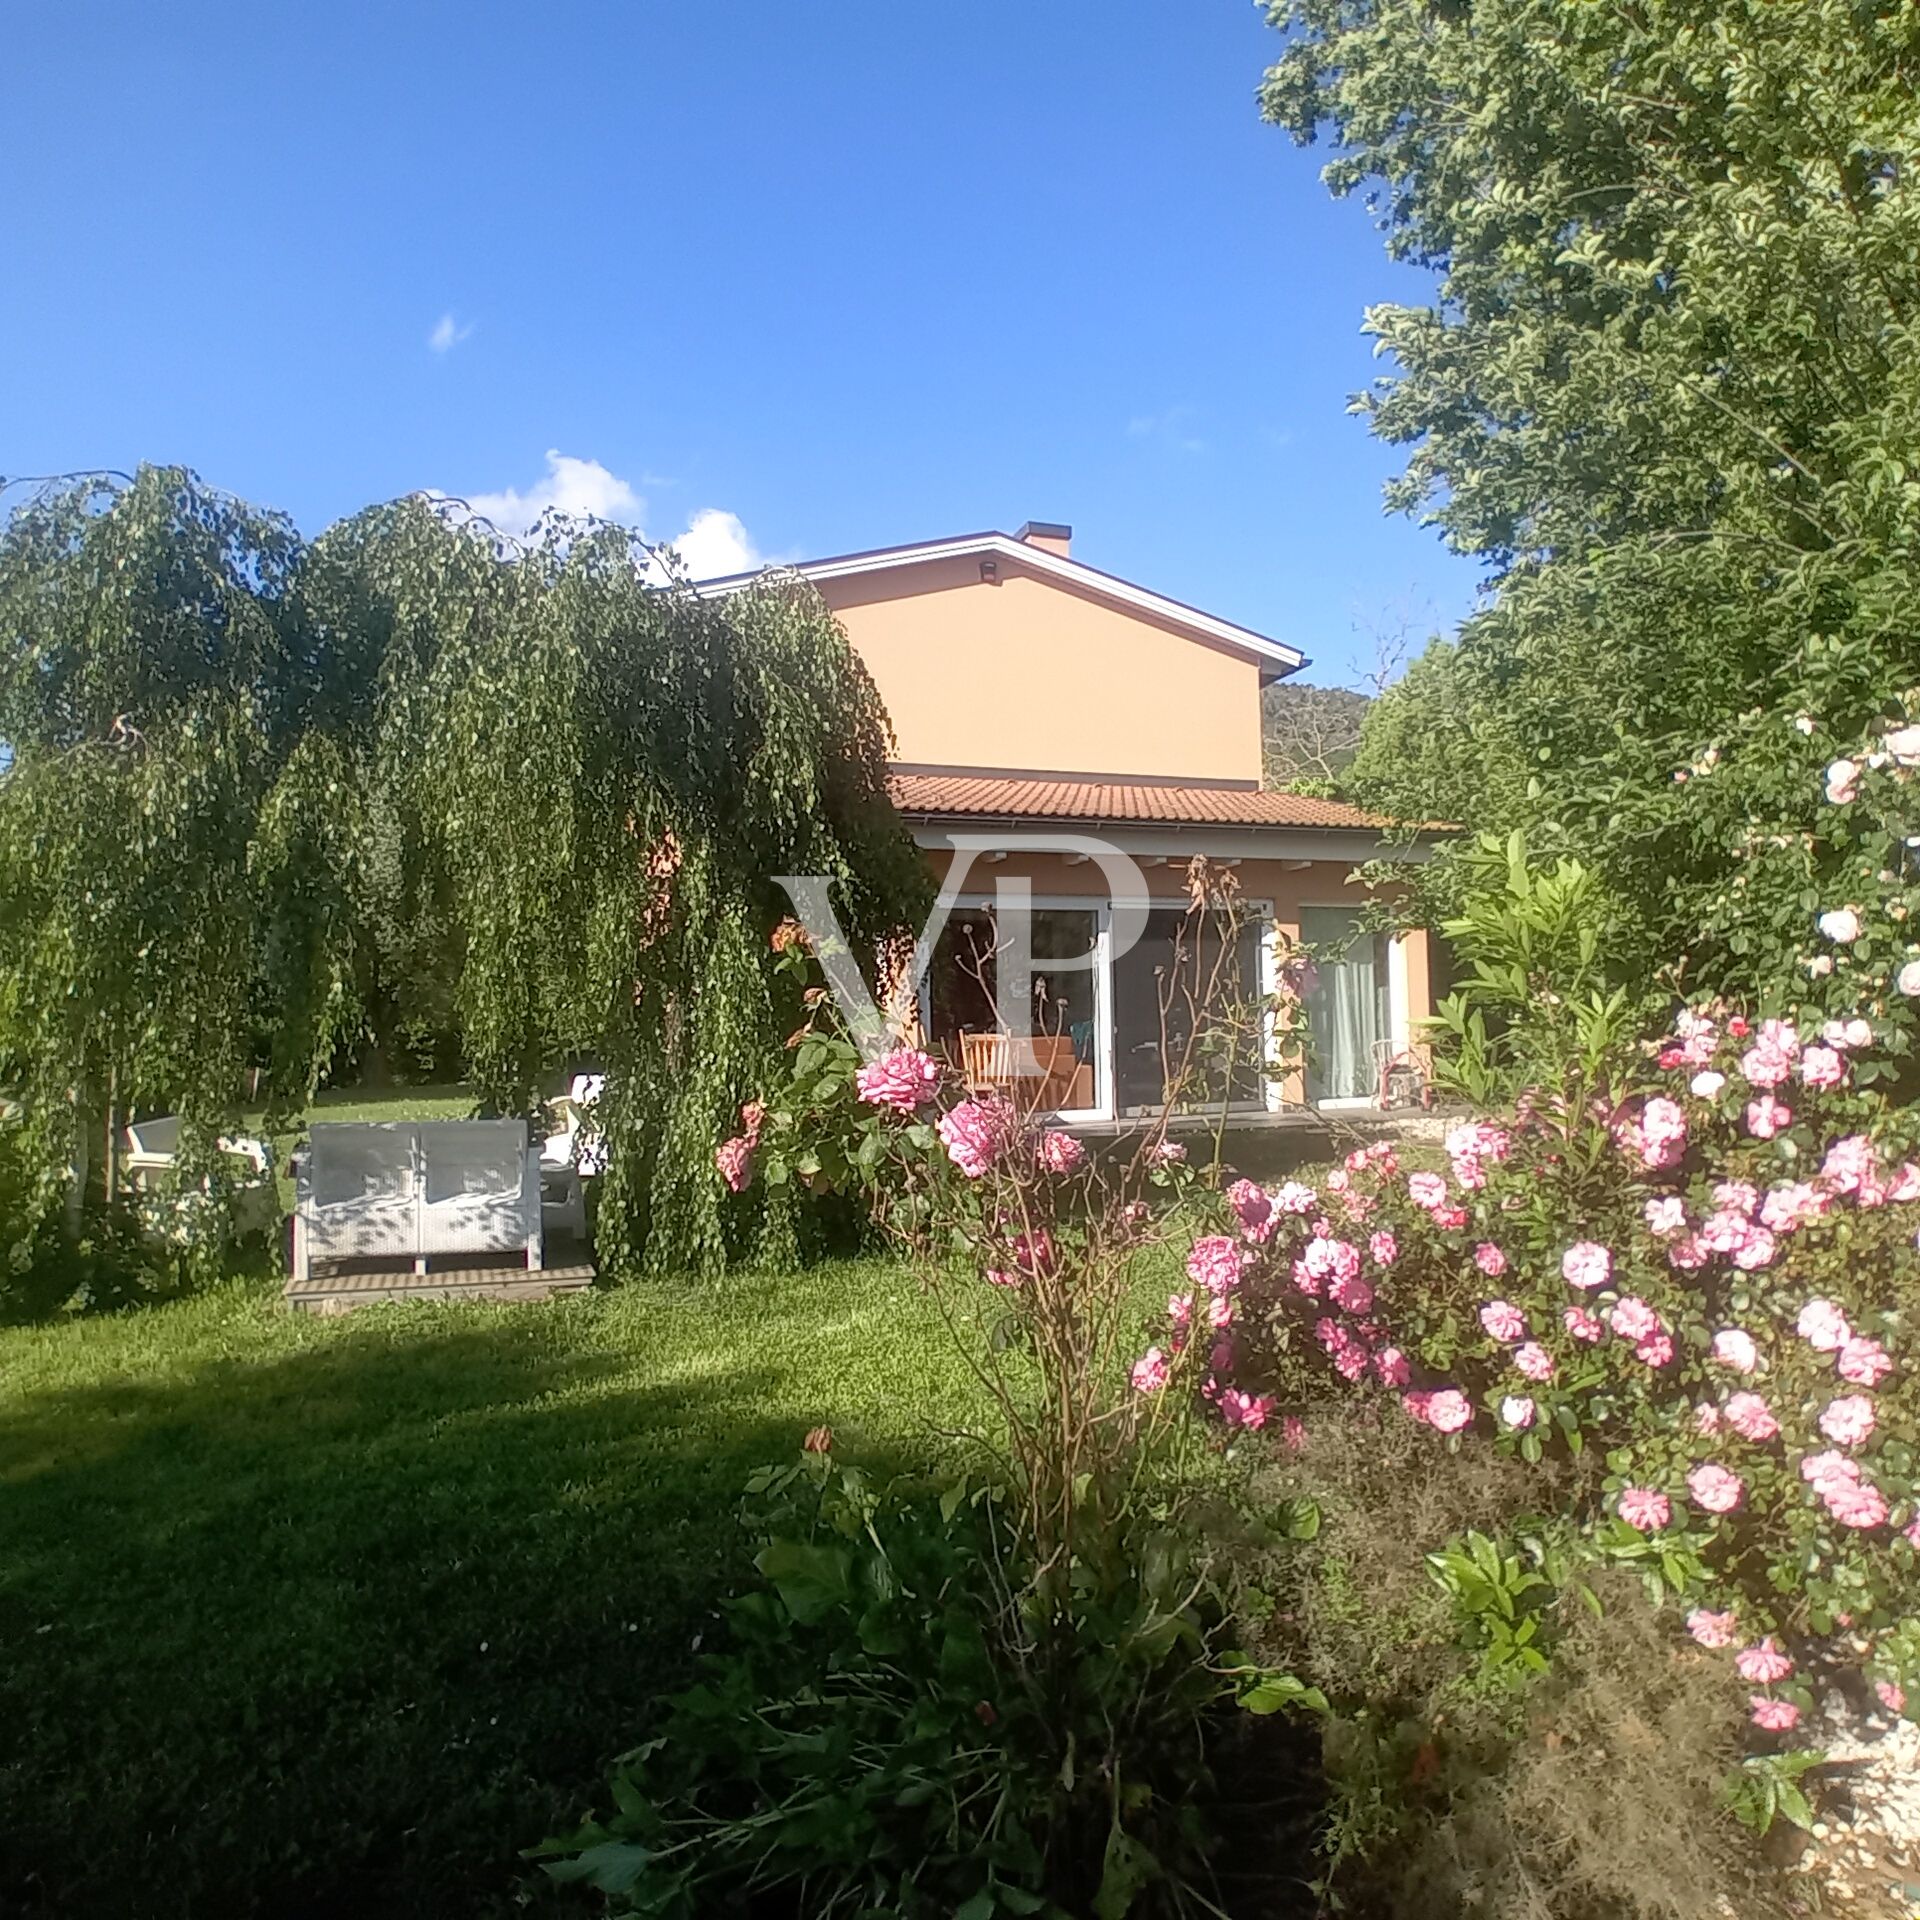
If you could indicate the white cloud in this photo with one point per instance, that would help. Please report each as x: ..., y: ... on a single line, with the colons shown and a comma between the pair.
x: 571, y: 486
x: 714, y: 541
x: 448, y: 333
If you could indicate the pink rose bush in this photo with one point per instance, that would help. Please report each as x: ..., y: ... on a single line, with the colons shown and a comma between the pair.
x: 1715, y: 1293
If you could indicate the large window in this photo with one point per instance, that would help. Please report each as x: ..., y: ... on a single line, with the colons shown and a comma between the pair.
x: 976, y: 1006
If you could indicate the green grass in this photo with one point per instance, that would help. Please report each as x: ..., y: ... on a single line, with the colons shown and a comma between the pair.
x: 304, y: 1616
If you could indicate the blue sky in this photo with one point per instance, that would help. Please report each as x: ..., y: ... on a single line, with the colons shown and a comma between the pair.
x: 849, y: 271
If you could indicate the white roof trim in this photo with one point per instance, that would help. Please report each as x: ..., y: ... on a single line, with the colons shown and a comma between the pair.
x: 1038, y: 560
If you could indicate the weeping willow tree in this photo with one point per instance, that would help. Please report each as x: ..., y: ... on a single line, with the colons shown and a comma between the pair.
x: 261, y: 790
x: 156, y: 697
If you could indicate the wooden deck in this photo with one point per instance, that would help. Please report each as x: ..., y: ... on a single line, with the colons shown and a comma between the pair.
x: 342, y: 1292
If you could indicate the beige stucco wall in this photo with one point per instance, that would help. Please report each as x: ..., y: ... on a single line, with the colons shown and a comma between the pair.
x: 1031, y: 675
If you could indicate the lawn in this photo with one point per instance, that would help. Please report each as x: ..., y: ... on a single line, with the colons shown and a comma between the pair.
x: 305, y: 1616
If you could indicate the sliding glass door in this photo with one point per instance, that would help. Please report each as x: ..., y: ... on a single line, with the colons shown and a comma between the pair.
x: 975, y: 1008
x: 1346, y: 1006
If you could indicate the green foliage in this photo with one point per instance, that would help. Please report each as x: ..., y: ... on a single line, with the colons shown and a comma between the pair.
x: 1537, y: 1006
x: 1497, y: 1597
x: 891, y: 1726
x: 411, y: 782
x: 1765, y: 1787
x: 1666, y: 389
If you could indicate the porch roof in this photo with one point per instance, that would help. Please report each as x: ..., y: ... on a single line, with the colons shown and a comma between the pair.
x: 1012, y: 798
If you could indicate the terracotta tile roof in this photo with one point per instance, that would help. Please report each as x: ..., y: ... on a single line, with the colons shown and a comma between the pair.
x: 1011, y: 797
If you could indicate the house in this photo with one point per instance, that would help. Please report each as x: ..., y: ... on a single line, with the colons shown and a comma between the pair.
x: 1055, y: 710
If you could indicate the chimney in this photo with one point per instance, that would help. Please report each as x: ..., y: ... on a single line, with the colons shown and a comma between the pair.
x: 1051, y: 535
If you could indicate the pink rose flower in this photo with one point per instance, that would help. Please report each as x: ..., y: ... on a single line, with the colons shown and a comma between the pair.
x: 1687, y: 1253
x: 1586, y: 1264
x: 976, y: 1133
x: 1351, y: 1294
x: 1792, y: 1204
x: 1247, y: 1410
x: 1214, y: 1262
x: 1666, y: 1215
x: 1864, y: 1362
x: 1293, y: 1433
x: 1249, y: 1203
x: 1762, y: 1663
x: 1384, y: 1248
x: 1862, y: 1506
x: 1060, y: 1153
x: 1756, y: 1250
x: 1503, y: 1320
x: 1633, y: 1319
x: 1751, y: 1418
x: 1449, y: 1410
x: 1645, y: 1508
x: 1516, y: 1412
x: 905, y: 1080
x: 1714, y: 1630
x: 1151, y: 1372
x: 1826, y: 1472
x: 1733, y: 1347
x: 1169, y: 1153
x: 1767, y: 1117
x: 1656, y: 1350
x: 1450, y: 1219
x: 1426, y: 1190
x: 1534, y: 1361
x: 1391, y: 1367
x: 1583, y: 1325
x: 734, y: 1158
x: 1774, y: 1716
x: 1823, y: 1326
x: 1295, y: 1199
x: 1765, y: 1065
x: 1849, y: 1163
x: 1822, y: 1067
x: 1180, y: 1308
x: 1892, y: 1695
x: 1707, y: 1418
x: 1714, y: 1489
x: 1848, y: 1422
x: 1220, y: 1310
x: 1489, y: 1259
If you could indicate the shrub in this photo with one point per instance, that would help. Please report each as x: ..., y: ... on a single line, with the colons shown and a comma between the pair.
x: 1709, y: 1293
x: 894, y: 1725
x: 1582, y: 1780
x: 852, y: 1765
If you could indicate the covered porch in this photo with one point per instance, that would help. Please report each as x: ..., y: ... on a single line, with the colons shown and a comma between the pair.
x: 1096, y: 1024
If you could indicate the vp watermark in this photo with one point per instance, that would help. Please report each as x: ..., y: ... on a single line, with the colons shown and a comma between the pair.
x: 876, y: 1030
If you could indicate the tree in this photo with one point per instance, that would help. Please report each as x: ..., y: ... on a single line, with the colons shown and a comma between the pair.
x: 266, y: 789
x: 1309, y: 734
x: 1667, y: 390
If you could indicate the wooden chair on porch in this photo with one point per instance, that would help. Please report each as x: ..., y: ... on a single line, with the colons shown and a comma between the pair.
x: 987, y: 1064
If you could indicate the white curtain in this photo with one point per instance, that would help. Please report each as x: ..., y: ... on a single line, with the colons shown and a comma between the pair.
x: 1343, y: 1008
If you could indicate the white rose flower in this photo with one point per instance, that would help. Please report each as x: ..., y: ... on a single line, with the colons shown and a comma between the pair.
x: 1843, y: 781
x: 1840, y: 925
x: 1904, y: 744
x: 1908, y: 979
